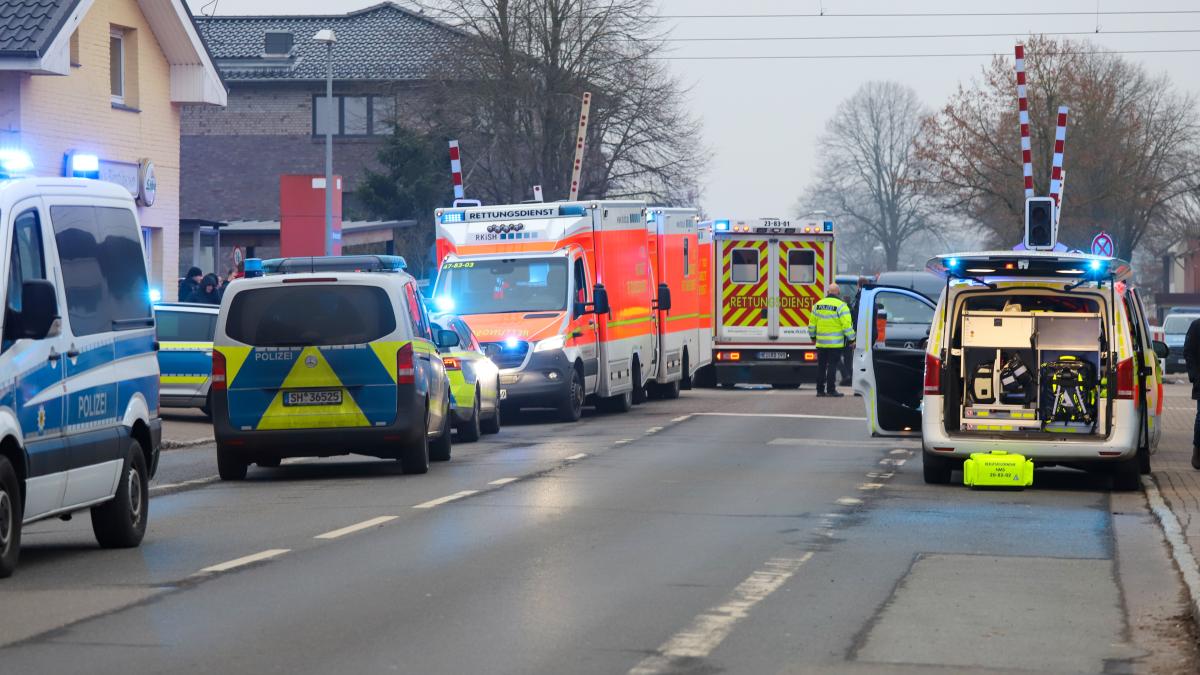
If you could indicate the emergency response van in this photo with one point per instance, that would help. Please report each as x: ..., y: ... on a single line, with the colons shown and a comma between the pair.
x: 79, y: 424
x: 1043, y: 354
x: 771, y: 274
x: 681, y: 249
x: 566, y: 298
x: 315, y: 361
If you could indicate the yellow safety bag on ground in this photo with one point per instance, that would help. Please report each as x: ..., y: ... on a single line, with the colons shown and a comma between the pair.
x: 997, y: 469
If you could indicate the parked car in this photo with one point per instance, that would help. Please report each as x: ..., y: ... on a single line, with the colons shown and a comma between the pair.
x: 185, y: 343
x: 925, y: 283
x: 1175, y: 326
x: 474, y: 381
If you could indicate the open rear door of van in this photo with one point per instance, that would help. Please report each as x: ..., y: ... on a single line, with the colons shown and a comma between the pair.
x: 889, y: 358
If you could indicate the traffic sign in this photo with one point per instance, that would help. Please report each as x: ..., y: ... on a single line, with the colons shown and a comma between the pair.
x: 237, y: 257
x: 1103, y: 245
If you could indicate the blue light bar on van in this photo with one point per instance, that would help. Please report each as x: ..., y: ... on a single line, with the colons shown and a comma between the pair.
x: 721, y: 226
x: 82, y: 165
x: 14, y: 163
x: 829, y: 226
x: 453, y: 216
x: 333, y: 263
x: 572, y: 210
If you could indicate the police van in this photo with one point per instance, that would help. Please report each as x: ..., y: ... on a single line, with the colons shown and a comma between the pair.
x: 79, y: 424
x: 1042, y: 353
x: 329, y: 356
x: 185, y: 335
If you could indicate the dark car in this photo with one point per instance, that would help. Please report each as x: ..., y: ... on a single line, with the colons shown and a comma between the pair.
x: 925, y: 283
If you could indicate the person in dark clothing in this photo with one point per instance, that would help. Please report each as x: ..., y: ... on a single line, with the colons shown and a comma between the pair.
x: 1191, y: 352
x: 189, y: 283
x: 209, y: 291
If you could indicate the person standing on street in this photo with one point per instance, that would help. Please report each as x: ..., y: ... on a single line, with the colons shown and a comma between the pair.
x: 832, y: 329
x: 189, y: 283
x: 1191, y: 352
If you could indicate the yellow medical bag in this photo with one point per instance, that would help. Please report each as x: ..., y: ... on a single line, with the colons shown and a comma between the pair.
x: 997, y: 469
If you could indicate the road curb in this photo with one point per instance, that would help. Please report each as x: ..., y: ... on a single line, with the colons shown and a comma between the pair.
x: 178, y: 445
x: 1181, y: 553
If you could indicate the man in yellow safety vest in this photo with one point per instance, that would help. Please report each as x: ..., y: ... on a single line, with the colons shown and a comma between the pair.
x: 831, y: 329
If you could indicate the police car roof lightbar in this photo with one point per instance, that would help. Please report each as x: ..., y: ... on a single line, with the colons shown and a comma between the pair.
x: 344, y: 263
x: 14, y: 163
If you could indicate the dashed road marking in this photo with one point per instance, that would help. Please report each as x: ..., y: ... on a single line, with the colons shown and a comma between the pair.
x: 708, y: 630
x: 796, y: 416
x: 900, y: 451
x: 247, y: 560
x: 623, y: 441
x: 849, y: 501
x: 870, y: 486
x: 445, y: 500
x: 653, y: 430
x: 503, y: 481
x: 350, y: 529
x: 578, y: 455
x: 185, y: 483
x: 681, y: 418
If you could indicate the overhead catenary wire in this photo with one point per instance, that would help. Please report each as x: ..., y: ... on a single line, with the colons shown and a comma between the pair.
x: 440, y: 14
x: 906, y: 36
x: 819, y: 57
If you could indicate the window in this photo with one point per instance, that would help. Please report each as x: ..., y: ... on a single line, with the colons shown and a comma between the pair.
x: 27, y: 262
x: 465, y: 336
x: 510, y: 285
x: 185, y: 326
x: 355, y: 115
x: 581, y: 284
x: 102, y: 266
x: 420, y: 324
x: 745, y: 266
x: 116, y: 64
x: 687, y: 258
x: 277, y: 43
x: 304, y: 315
x: 903, y: 309
x: 802, y: 266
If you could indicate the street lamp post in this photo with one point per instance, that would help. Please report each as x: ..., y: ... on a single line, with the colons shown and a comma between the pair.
x: 328, y: 38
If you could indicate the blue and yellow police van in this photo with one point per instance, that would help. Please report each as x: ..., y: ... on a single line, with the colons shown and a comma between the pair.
x: 329, y: 356
x: 185, y: 342
x: 79, y: 424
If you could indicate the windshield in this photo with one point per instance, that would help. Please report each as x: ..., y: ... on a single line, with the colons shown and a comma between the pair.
x: 1177, y: 324
x: 507, y: 285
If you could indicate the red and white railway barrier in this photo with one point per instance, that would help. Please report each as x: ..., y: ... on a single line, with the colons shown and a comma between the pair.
x: 456, y: 170
x: 1023, y: 108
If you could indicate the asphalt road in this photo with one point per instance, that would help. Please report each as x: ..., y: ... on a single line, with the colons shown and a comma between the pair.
x: 739, y: 531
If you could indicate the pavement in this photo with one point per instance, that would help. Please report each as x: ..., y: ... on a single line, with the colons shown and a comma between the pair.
x: 745, y: 531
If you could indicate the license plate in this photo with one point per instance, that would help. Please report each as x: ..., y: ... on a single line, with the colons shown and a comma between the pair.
x: 773, y: 356
x: 322, y: 397
x: 503, y: 394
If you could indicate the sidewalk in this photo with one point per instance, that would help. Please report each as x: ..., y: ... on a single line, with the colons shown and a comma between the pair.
x: 1179, y: 483
x: 185, y: 428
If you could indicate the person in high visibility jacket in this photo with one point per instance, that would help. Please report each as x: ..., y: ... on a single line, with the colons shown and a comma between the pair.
x: 832, y: 329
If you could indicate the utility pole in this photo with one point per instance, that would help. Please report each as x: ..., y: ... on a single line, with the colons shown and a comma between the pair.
x: 328, y: 38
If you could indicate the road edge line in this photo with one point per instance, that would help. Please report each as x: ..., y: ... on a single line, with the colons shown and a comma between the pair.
x: 1181, y: 553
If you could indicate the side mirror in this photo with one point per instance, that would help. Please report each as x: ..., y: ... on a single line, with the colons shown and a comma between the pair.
x: 1161, y: 350
x: 664, y: 298
x: 39, y: 310
x: 600, y: 299
x: 447, y: 339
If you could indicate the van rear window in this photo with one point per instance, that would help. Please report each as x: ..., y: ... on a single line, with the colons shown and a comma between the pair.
x: 303, y: 315
x: 184, y: 326
x: 1012, y: 302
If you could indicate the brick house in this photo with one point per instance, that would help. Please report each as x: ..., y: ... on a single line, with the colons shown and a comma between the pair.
x: 274, y: 122
x: 107, y: 79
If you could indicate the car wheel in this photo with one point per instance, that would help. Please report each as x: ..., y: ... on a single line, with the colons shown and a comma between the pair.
x: 10, y: 519
x: 937, y: 469
x: 639, y: 389
x: 439, y: 447
x: 207, y: 407
x: 687, y: 381
x: 414, y: 459
x: 571, y: 408
x: 230, y: 464
x: 121, y: 521
x: 491, y: 425
x: 617, y: 404
x: 472, y: 429
x: 1126, y: 476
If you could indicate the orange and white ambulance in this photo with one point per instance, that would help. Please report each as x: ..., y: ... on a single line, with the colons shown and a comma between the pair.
x: 771, y: 273
x: 565, y: 298
x: 681, y: 248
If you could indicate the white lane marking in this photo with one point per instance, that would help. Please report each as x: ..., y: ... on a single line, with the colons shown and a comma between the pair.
x: 849, y: 501
x: 681, y: 418
x: 579, y: 455
x: 653, y: 430
x: 783, y: 415
x: 247, y: 560
x: 350, y: 529
x: 708, y: 630
x: 503, y: 481
x: 880, y: 476
x: 296, y: 460
x: 887, y: 461
x: 899, y: 451
x: 827, y: 442
x: 870, y: 486
x: 186, y: 483
x: 623, y: 441
x: 444, y: 500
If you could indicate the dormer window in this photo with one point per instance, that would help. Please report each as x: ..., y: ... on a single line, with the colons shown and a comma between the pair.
x: 277, y: 43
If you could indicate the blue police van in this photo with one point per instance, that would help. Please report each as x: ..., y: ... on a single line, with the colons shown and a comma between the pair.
x: 79, y: 422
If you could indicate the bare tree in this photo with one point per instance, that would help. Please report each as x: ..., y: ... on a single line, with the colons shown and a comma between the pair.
x: 1131, y: 146
x: 513, y: 91
x: 868, y: 175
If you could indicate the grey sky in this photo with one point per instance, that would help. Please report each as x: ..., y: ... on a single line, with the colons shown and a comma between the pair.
x: 763, y: 117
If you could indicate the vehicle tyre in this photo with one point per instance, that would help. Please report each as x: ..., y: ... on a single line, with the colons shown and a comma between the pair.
x: 269, y: 462
x: 937, y: 469
x: 1143, y: 452
x: 705, y: 377
x: 1126, y: 475
x: 439, y: 448
x: 121, y: 521
x: 207, y: 407
x: 10, y: 519
x: 491, y: 425
x: 639, y: 389
x: 686, y: 383
x: 790, y: 385
x: 669, y: 390
x: 472, y: 429
x: 414, y: 458
x: 571, y: 408
x: 230, y: 464
x: 617, y: 404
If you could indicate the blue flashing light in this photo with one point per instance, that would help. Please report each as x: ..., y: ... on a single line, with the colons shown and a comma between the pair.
x: 721, y: 226
x: 829, y: 226
x: 951, y: 262
x: 444, y: 303
x: 14, y: 162
x: 454, y: 217
x: 511, y: 342
x: 1095, y: 265
x: 155, y: 295
x: 81, y: 165
x: 252, y: 267
x: 572, y: 210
